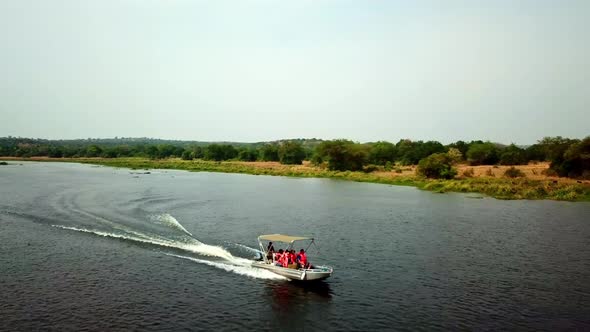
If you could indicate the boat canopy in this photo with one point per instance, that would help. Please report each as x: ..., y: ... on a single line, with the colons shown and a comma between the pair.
x: 283, y: 238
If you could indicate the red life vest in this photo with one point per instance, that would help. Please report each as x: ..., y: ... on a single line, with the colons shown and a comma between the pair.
x: 292, y: 258
x: 285, y: 260
x: 278, y: 257
x: 302, y: 258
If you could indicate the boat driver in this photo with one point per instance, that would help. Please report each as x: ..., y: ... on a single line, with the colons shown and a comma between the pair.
x: 270, y: 249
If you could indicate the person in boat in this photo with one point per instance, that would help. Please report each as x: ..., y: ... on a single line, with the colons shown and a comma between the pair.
x: 270, y: 250
x: 302, y: 262
x: 285, y: 259
x: 292, y: 259
x: 278, y: 257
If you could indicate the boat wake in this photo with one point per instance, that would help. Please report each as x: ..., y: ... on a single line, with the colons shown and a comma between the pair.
x: 242, y: 268
x: 227, y: 262
x: 169, y: 220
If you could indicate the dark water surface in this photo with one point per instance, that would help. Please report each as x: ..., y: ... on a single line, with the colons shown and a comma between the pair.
x: 96, y: 248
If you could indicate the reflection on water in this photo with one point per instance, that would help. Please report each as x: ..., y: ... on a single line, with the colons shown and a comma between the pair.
x: 298, y: 305
x: 285, y: 294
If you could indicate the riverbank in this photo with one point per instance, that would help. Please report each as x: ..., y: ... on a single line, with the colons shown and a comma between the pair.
x: 490, y: 182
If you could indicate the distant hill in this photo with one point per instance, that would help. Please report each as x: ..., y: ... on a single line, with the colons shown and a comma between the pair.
x: 134, y: 141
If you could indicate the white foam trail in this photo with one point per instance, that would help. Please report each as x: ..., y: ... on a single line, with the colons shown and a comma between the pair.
x: 234, y: 264
x: 171, y: 221
x: 192, y: 245
x: 246, y: 247
x: 242, y: 269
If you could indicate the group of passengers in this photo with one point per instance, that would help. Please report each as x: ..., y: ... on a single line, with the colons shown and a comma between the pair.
x: 287, y: 258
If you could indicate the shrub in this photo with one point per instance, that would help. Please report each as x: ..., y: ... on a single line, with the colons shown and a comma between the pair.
x: 513, y: 172
x: 317, y: 160
x: 370, y: 168
x: 455, y: 155
x: 468, y: 173
x: 549, y: 172
x: 187, y: 155
x: 437, y: 166
x: 388, y: 166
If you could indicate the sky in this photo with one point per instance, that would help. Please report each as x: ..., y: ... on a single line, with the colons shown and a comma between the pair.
x: 258, y: 70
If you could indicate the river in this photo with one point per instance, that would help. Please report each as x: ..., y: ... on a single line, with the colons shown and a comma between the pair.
x: 98, y: 248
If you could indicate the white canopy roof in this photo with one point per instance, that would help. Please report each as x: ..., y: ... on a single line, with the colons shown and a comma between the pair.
x: 283, y: 238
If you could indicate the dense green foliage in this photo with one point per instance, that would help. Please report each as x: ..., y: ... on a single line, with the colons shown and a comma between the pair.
x: 411, y: 152
x: 482, y: 154
x: 568, y: 157
x: 437, y: 166
x: 575, y: 161
x: 342, y: 155
x: 248, y: 154
x: 381, y: 153
x: 513, y: 155
x: 291, y: 153
x: 269, y: 152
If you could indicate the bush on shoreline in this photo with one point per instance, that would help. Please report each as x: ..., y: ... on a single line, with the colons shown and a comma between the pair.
x: 437, y: 166
x: 514, y: 172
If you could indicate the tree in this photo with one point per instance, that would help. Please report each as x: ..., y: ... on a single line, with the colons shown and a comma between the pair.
x: 555, y: 147
x: 55, y: 152
x: 381, y: 152
x: 555, y: 150
x: 455, y: 155
x: 461, y: 146
x: 482, y: 154
x: 220, y: 152
x: 269, y: 152
x: 152, y: 152
x: 291, y: 153
x: 93, y: 151
x: 214, y: 152
x: 437, y: 166
x: 535, y: 152
x: 167, y: 150
x: 187, y: 155
x: 109, y: 153
x: 575, y: 161
x: 410, y: 153
x: 404, y: 151
x: 343, y: 155
x: 197, y: 151
x: 513, y: 155
x: 247, y: 154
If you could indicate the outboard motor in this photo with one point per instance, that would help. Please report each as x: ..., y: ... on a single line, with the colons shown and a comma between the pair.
x: 259, y: 256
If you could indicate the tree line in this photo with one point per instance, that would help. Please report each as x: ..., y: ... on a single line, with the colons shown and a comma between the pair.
x: 568, y: 157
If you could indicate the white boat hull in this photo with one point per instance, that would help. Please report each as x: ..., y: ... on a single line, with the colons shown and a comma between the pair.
x: 317, y: 273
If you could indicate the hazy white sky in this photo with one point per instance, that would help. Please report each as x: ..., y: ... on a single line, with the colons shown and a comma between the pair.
x: 254, y: 70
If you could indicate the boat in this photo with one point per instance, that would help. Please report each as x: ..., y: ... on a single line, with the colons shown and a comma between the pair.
x: 301, y: 274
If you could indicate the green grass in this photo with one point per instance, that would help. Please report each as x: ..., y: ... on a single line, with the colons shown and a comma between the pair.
x: 501, y: 188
